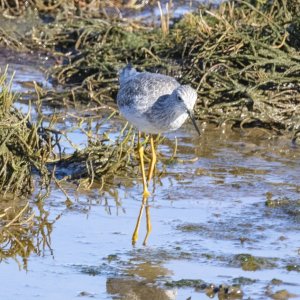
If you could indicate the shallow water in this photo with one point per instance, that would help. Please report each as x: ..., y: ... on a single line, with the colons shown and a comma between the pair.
x: 208, y: 211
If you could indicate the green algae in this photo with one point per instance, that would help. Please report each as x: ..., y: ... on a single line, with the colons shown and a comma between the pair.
x: 194, y: 283
x: 294, y: 267
x: 249, y: 262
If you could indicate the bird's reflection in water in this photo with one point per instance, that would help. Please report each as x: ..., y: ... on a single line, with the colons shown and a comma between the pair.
x: 144, y: 206
x: 141, y: 283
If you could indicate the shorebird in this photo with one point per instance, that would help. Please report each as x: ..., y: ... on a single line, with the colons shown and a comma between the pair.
x: 153, y: 103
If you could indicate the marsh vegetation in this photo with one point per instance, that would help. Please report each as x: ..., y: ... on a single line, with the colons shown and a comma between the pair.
x: 243, y: 59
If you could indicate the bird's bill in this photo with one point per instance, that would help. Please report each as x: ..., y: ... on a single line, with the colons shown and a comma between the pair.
x: 191, y: 115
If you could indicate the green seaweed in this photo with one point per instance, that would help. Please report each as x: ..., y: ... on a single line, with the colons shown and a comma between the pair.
x: 194, y: 283
x: 294, y: 267
x: 249, y: 262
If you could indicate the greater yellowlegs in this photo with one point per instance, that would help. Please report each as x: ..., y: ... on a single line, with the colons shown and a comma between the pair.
x: 153, y: 103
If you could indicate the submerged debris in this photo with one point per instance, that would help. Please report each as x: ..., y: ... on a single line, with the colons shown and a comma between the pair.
x: 223, y: 291
x: 249, y: 262
x: 281, y: 295
x: 276, y: 202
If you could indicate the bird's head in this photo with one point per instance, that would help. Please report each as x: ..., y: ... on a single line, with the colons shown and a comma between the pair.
x: 126, y: 73
x: 187, y: 96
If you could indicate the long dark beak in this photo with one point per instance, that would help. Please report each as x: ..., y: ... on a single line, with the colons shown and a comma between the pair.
x: 191, y: 115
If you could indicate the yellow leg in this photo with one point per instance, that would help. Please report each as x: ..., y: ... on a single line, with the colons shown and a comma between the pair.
x: 150, y: 175
x: 153, y: 160
x: 138, y: 222
x: 149, y: 225
x: 146, y: 193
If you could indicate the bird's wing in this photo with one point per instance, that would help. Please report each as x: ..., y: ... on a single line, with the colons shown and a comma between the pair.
x: 144, y: 89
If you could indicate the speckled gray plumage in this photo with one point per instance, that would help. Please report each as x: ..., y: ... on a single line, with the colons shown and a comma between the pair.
x: 152, y: 102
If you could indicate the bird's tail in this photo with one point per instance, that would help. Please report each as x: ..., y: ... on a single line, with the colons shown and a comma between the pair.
x: 127, y: 73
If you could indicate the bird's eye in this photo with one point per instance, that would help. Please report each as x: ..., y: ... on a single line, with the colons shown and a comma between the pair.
x: 179, y: 98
